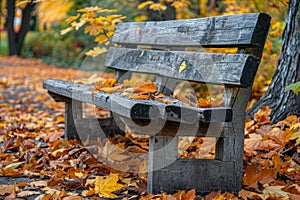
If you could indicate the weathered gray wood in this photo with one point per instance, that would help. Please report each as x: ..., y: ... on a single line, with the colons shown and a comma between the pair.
x: 228, y: 69
x: 73, y: 111
x: 122, y: 75
x: 202, y: 175
x: 225, y: 149
x: 138, y: 109
x: 163, y: 151
x: 93, y: 128
x: 165, y: 122
x: 234, y: 30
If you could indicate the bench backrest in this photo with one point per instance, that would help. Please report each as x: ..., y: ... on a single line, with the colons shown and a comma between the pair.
x: 161, y: 48
x: 245, y: 31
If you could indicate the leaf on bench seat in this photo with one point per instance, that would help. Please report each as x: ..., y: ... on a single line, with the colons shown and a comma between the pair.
x: 145, y: 88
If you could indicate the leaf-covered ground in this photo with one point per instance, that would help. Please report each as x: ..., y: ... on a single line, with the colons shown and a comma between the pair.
x: 37, y: 163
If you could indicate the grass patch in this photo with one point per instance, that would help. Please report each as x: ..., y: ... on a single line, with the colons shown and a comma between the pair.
x: 3, y: 44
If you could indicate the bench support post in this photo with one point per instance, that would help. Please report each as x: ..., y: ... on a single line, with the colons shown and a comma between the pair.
x: 73, y: 111
x: 163, y: 151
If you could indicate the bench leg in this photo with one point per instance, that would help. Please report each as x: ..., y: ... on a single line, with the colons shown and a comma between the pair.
x: 73, y: 111
x: 163, y: 151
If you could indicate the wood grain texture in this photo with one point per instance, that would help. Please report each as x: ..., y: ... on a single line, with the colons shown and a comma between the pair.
x: 228, y: 69
x: 164, y: 122
x: 138, y: 109
x: 162, y: 152
x: 223, y: 31
x: 202, y: 175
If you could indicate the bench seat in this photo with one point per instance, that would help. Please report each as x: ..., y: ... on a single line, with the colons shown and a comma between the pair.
x: 138, y: 109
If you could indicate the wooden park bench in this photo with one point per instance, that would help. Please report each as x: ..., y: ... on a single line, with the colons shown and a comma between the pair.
x: 164, y: 49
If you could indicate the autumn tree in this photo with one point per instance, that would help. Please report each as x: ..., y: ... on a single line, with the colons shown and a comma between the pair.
x: 49, y: 11
x: 16, y: 38
x: 284, y: 103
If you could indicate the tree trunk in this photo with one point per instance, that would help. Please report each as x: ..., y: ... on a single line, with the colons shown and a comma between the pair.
x: 16, y: 40
x: 11, y: 7
x: 283, y: 103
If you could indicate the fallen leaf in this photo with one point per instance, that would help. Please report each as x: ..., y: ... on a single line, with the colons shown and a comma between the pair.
x: 182, y: 66
x: 105, y: 187
x: 190, y: 195
x: 6, y: 189
x: 27, y: 193
x: 276, y: 190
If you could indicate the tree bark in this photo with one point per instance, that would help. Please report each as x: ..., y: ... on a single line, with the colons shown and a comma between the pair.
x: 283, y: 103
x: 16, y: 39
x: 11, y: 7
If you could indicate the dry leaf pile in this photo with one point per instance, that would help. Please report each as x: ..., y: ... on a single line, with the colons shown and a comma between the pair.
x: 37, y: 163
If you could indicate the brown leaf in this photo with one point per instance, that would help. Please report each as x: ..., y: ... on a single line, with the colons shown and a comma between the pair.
x: 6, y: 189
x: 145, y: 88
x: 190, y: 195
x: 27, y: 193
x: 88, y: 193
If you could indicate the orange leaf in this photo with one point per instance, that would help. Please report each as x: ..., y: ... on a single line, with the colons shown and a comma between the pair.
x: 145, y: 88
x: 190, y: 195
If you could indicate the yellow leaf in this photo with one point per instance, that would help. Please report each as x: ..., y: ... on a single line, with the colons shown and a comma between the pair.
x: 96, y: 51
x: 295, y: 126
x: 182, y: 66
x: 72, y: 18
x: 67, y: 30
x: 93, y: 29
x: 295, y: 135
x: 79, y: 174
x: 144, y: 4
x: 105, y: 187
x: 101, y: 39
x: 13, y: 165
x: 158, y: 6
x: 79, y: 24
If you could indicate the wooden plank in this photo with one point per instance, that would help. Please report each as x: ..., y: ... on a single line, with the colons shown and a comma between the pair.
x: 138, y: 109
x: 223, y: 31
x: 228, y: 69
x: 163, y: 151
x: 202, y: 175
x: 73, y: 111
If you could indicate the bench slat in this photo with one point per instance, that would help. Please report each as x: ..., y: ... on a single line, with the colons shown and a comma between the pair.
x: 222, y: 31
x: 196, y: 173
x: 228, y: 69
x: 138, y: 109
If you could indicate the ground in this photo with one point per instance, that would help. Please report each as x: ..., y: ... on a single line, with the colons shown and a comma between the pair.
x: 36, y: 162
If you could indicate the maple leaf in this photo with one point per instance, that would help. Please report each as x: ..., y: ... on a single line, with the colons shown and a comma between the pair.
x: 144, y: 4
x: 256, y: 142
x: 93, y: 29
x: 105, y: 187
x: 112, y: 152
x: 101, y: 39
x: 96, y: 51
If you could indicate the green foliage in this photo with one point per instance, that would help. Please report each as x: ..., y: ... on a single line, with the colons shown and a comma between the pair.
x: 3, y: 44
x: 97, y: 22
x: 294, y: 87
x: 56, y: 49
